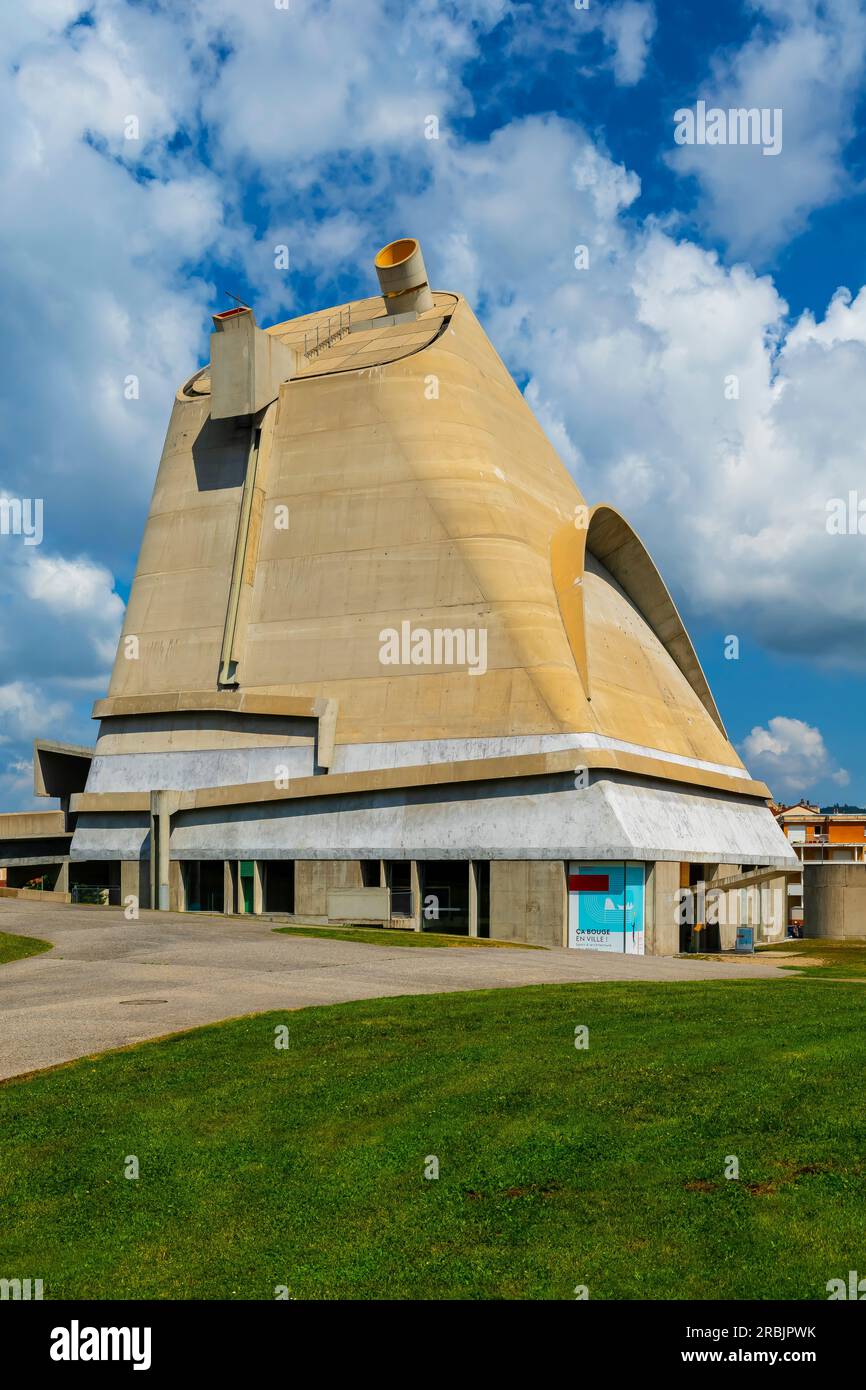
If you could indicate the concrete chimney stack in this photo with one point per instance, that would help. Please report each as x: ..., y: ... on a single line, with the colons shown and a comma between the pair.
x: 403, y: 277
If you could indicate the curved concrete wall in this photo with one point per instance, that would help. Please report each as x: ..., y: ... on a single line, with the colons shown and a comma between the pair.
x: 420, y: 492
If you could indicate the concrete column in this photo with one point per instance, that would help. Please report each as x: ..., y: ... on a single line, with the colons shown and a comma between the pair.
x: 240, y: 902
x: 228, y: 886
x: 383, y: 877
x: 153, y: 892
x: 258, y: 887
x: 662, y: 886
x: 473, y: 898
x: 162, y: 805
x: 177, y: 887
x: 130, y: 881
x: 415, y: 885
x: 163, y: 857
x: 62, y: 883
x: 564, y: 899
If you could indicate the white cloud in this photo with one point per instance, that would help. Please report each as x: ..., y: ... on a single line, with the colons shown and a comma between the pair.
x: 26, y: 712
x: 629, y: 27
x: 791, y: 756
x: 809, y: 64
x: 320, y: 80
x: 630, y: 364
x: 81, y: 590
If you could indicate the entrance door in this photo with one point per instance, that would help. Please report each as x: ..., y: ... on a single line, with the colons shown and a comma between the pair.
x: 247, y: 875
x: 606, y: 907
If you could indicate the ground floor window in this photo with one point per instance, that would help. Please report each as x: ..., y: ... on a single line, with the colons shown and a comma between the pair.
x: 96, y: 881
x: 606, y: 906
x: 398, y: 877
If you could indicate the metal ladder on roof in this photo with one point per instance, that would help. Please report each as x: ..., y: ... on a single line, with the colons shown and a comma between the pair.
x: 325, y: 335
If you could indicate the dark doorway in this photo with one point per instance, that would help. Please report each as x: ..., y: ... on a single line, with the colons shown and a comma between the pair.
x: 204, y: 885
x: 445, y: 896
x: 482, y: 868
x: 279, y: 885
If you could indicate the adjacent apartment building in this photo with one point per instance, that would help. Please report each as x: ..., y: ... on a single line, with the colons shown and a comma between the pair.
x: 820, y: 837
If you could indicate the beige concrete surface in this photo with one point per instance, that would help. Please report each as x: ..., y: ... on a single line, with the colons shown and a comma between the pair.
x: 834, y: 900
x: 189, y: 970
x: 407, y: 479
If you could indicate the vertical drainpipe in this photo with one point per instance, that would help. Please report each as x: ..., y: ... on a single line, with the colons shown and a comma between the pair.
x: 228, y: 658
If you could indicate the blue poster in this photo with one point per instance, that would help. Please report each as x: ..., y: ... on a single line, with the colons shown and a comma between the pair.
x: 606, y: 907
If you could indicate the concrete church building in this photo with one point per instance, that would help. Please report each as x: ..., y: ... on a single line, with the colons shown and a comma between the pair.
x: 382, y: 662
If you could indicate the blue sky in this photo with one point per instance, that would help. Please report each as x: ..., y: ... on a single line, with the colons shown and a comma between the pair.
x: 256, y: 125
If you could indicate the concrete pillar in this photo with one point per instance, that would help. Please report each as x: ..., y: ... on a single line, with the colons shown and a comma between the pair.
x: 662, y: 902
x: 473, y: 898
x: 229, y: 885
x: 258, y: 887
x: 162, y: 805
x: 176, y: 885
x: 415, y: 885
x: 163, y: 858
x: 62, y: 883
x: 240, y: 902
x: 153, y: 893
x: 564, y: 907
x: 130, y: 881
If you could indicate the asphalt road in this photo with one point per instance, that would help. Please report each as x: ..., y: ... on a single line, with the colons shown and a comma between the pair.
x: 110, y: 982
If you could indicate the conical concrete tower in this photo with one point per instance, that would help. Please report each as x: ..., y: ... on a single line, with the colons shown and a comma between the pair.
x: 375, y: 626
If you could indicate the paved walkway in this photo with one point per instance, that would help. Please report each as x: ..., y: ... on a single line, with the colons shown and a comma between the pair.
x: 183, y: 970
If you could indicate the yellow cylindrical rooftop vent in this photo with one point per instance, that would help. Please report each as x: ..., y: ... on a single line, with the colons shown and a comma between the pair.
x: 403, y: 277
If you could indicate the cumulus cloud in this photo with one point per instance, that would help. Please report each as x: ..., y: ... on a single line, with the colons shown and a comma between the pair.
x: 26, y: 712
x: 791, y: 757
x: 80, y: 590
x: 674, y: 386
x: 614, y: 37
x: 629, y: 28
x: 809, y: 64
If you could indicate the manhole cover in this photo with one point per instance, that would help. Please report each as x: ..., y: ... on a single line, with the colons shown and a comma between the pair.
x: 144, y: 1001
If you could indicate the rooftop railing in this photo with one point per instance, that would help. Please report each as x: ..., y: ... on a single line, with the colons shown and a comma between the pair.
x: 335, y: 327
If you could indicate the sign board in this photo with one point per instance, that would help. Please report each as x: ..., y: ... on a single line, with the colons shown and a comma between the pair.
x: 359, y: 904
x: 606, y: 907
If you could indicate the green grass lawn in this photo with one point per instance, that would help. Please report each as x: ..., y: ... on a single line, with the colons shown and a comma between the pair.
x: 384, y: 936
x: 305, y: 1167
x: 17, y: 947
x: 839, y: 959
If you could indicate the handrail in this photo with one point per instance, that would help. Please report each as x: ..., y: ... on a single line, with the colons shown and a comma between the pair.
x: 344, y: 326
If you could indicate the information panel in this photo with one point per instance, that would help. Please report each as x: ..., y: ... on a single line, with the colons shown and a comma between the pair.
x: 606, y: 907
